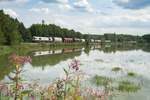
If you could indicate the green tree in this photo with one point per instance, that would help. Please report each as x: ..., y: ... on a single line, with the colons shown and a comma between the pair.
x: 25, y: 33
x: 9, y: 30
x: 146, y: 38
x: 2, y: 37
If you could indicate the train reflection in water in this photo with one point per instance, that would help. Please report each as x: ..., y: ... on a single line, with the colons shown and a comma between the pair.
x: 107, y: 46
x: 40, y: 53
x: 59, y: 51
x: 95, y: 47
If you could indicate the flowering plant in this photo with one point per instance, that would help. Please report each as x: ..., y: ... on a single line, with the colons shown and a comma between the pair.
x: 19, y: 59
x: 18, y: 88
x: 68, y: 88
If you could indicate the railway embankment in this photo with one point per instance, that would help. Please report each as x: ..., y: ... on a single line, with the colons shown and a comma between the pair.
x: 24, y: 48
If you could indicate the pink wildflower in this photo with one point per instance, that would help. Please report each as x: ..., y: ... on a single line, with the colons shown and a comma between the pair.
x: 98, y: 93
x: 75, y: 61
x: 19, y: 59
x: 37, y: 80
x: 21, y: 87
x: 33, y: 97
x: 36, y: 85
x: 75, y: 65
x: 103, y: 98
x: 11, y: 78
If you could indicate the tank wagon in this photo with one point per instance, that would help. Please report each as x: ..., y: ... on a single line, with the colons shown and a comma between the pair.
x: 77, y: 40
x: 92, y: 40
x: 82, y: 40
x: 67, y: 40
x: 97, y: 41
x: 42, y: 39
x: 57, y: 39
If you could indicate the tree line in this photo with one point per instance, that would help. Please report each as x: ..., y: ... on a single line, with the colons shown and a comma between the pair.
x: 13, y: 32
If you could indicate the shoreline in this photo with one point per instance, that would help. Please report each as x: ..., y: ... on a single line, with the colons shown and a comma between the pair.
x: 24, y: 48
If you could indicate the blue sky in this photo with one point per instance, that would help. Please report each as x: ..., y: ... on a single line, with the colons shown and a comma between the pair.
x: 86, y: 16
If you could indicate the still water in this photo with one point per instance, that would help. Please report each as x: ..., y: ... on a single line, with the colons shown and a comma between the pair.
x: 97, y: 61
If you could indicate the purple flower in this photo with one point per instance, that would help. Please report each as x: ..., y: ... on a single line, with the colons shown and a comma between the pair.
x: 33, y: 97
x: 75, y: 64
x: 11, y: 78
x: 75, y: 61
x: 19, y: 59
x: 30, y: 60
x: 8, y: 93
x: 75, y: 67
x: 21, y: 87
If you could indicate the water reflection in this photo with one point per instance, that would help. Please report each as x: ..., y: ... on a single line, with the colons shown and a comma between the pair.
x: 5, y: 66
x: 53, y: 57
x: 40, y: 53
x: 124, y: 64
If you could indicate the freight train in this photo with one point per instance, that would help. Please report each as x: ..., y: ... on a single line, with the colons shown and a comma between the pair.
x: 59, y: 39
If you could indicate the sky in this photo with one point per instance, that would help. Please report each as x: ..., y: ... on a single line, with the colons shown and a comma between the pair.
x: 86, y: 16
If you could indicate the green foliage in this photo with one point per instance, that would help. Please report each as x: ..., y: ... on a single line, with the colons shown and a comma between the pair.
x: 68, y: 88
x: 13, y: 32
x: 127, y: 86
x: 25, y: 33
x: 15, y: 38
x: 9, y: 33
x: 101, y: 81
x: 116, y: 69
x: 52, y: 30
x: 2, y: 37
x: 99, y: 60
x: 147, y: 38
x: 131, y: 74
x: 122, y: 37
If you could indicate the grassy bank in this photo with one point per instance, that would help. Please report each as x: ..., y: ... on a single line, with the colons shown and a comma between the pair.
x: 5, y: 50
x: 24, y: 48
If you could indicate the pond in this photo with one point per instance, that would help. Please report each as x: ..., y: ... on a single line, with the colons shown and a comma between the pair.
x: 123, y: 69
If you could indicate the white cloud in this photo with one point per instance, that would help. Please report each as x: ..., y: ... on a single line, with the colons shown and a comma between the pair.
x: 65, y: 7
x: 54, y: 1
x: 13, y: 1
x: 40, y: 10
x: 83, y: 5
x: 118, y: 20
x: 63, y: 1
x: 10, y: 12
x: 22, y: 1
x: 115, y: 20
x: 126, y: 1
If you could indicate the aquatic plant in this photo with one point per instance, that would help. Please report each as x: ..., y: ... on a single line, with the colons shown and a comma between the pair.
x: 131, y: 74
x: 116, y: 69
x: 99, y: 60
x: 127, y: 86
x: 101, y: 80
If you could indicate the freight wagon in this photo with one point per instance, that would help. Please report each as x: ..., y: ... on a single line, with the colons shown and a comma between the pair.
x: 59, y: 39
x: 42, y: 39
